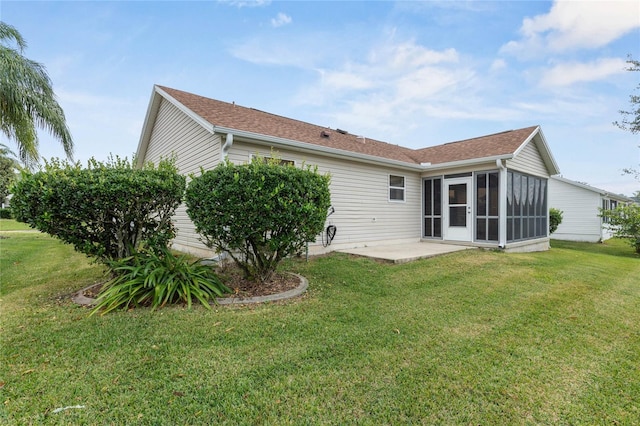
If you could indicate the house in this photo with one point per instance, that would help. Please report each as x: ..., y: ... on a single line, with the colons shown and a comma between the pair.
x: 580, y: 205
x: 489, y: 191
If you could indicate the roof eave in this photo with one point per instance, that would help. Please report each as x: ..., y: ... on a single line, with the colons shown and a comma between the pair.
x: 467, y: 162
x: 599, y: 191
x: 147, y: 126
x: 152, y: 112
x: 308, y: 147
x: 543, y: 149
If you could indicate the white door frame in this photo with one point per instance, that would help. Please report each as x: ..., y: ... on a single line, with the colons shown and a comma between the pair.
x: 458, y: 233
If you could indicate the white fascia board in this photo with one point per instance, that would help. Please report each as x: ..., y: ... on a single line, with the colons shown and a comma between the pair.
x: 152, y: 112
x: 578, y: 184
x: 192, y: 115
x: 339, y: 153
x: 469, y: 162
x: 323, y: 150
x: 547, y: 153
x: 592, y: 189
x: 149, y: 119
x: 543, y: 149
x: 526, y: 141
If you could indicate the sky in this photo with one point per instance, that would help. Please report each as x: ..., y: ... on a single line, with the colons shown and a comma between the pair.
x: 415, y: 74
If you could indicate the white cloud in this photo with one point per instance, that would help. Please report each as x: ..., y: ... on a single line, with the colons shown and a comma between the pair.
x: 498, y: 64
x: 410, y: 55
x: 570, y: 73
x: 344, y: 80
x: 574, y: 25
x: 246, y: 3
x: 404, y: 70
x: 275, y: 49
x: 280, y: 20
x: 395, y: 88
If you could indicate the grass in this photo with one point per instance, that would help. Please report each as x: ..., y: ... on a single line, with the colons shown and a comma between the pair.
x: 12, y: 225
x: 477, y: 337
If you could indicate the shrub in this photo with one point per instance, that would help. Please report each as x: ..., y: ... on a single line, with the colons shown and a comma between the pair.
x: 107, y: 210
x: 259, y: 212
x: 624, y: 221
x: 555, y: 219
x: 157, y: 278
x: 8, y: 168
x: 5, y: 214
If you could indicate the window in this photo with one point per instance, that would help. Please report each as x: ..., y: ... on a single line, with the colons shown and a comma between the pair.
x: 432, y: 208
x: 458, y: 205
x: 280, y: 161
x: 396, y: 188
x: 487, y: 206
x: 608, y: 205
x: 526, y: 207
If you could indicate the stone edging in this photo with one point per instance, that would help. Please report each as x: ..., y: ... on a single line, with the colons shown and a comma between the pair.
x: 302, y: 287
x: 81, y: 299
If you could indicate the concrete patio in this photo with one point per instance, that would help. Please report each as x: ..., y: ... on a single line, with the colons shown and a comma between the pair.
x: 402, y: 253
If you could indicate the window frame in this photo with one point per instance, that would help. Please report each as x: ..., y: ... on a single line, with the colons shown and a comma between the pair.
x: 403, y: 188
x: 265, y: 158
x: 607, y: 205
x: 527, y: 207
x: 489, y: 217
x: 432, y: 213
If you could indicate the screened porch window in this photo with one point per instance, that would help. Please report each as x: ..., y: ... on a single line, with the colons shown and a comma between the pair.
x: 432, y: 208
x: 608, y: 205
x: 526, y: 207
x: 487, y: 206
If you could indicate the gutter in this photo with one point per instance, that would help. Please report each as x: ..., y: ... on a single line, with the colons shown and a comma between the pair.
x: 228, y: 143
x: 470, y: 162
x: 308, y: 147
x: 340, y: 153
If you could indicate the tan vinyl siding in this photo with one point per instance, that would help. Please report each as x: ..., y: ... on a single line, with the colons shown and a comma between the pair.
x: 176, y: 134
x: 580, y: 220
x: 360, y: 196
x: 529, y: 161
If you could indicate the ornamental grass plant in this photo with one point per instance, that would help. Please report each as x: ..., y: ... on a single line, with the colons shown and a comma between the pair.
x: 156, y: 278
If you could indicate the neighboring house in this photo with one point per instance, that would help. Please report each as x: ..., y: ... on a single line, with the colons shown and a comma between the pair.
x: 489, y: 191
x: 580, y: 205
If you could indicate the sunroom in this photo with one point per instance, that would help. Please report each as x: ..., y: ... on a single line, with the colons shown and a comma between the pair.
x: 501, y: 207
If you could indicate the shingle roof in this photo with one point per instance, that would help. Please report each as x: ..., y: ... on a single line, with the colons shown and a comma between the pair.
x: 232, y: 116
x: 481, y: 147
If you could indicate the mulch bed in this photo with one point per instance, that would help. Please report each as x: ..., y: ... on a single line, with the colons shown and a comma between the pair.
x: 241, y: 287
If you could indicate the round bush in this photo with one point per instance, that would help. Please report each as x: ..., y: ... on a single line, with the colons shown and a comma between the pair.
x: 259, y: 212
x: 107, y: 210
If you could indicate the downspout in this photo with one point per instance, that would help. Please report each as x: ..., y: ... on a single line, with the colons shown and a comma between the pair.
x: 502, y: 204
x: 227, y: 146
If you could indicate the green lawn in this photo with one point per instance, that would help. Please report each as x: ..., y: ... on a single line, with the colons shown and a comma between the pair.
x: 476, y: 337
x: 12, y: 225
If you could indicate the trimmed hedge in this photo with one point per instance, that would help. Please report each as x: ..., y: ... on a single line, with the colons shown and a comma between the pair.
x: 259, y: 212
x: 106, y: 210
